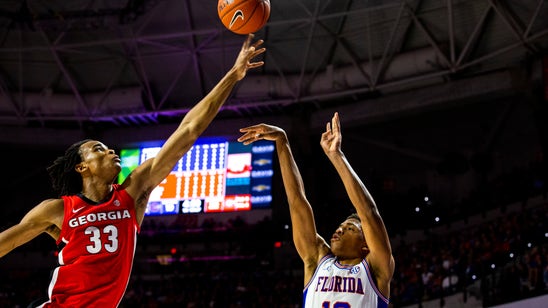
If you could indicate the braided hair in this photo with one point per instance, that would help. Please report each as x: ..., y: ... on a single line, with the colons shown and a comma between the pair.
x: 64, y: 178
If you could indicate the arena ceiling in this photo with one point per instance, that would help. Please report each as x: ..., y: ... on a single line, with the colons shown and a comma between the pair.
x: 416, y: 81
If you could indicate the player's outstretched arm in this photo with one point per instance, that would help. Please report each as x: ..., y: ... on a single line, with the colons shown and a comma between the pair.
x: 380, y: 254
x: 45, y: 217
x: 310, y: 246
x: 147, y: 176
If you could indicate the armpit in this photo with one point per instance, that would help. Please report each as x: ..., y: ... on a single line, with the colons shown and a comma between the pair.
x: 53, y: 231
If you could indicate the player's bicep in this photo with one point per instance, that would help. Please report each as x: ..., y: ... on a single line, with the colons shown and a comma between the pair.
x: 140, y: 179
x: 306, y: 244
x: 310, y: 246
x: 152, y: 171
x: 304, y: 228
x: 311, y: 263
x: 171, y: 152
x: 379, y: 244
x: 139, y: 185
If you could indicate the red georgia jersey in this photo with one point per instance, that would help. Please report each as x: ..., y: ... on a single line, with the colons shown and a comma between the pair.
x: 95, y: 264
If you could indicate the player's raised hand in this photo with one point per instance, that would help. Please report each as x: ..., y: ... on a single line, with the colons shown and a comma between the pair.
x: 247, y: 53
x: 332, y: 138
x: 261, y: 132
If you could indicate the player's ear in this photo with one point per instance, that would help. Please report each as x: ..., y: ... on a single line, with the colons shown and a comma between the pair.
x: 81, y: 167
x: 365, y: 247
x: 365, y: 250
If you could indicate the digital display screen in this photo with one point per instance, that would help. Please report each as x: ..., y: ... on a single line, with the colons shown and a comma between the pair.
x: 215, y: 175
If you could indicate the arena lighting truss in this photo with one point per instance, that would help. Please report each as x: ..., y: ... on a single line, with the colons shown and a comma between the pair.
x: 319, y: 52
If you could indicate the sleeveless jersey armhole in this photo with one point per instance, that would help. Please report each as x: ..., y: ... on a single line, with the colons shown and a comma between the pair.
x: 322, y: 261
x: 66, y: 212
x: 373, y: 282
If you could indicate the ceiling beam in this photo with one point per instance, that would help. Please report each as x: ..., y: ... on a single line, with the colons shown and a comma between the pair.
x: 361, y: 113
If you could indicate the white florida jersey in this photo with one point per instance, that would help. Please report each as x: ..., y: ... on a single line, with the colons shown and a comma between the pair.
x: 335, y: 285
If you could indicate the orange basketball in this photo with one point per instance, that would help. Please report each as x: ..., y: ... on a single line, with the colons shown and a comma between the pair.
x: 244, y: 16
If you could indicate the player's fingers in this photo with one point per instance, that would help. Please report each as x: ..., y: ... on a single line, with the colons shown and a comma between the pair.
x: 259, y: 51
x: 258, y: 43
x: 248, y: 40
x: 246, y: 137
x: 248, y: 128
x: 336, y: 124
x: 255, y: 64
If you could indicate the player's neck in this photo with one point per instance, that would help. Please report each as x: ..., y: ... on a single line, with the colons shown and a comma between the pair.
x: 96, y: 192
x: 349, y: 261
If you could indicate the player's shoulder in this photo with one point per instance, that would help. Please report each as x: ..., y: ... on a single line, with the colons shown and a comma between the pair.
x: 51, y: 202
x: 47, y: 210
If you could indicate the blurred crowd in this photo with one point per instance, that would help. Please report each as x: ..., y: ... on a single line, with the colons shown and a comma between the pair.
x: 497, y: 261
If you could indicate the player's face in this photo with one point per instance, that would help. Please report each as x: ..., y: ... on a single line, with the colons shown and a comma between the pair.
x: 99, y: 159
x: 348, y: 240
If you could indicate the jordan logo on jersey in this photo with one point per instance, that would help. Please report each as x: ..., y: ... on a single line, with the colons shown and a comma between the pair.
x: 339, y: 284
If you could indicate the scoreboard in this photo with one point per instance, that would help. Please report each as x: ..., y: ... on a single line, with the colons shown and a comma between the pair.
x: 215, y: 175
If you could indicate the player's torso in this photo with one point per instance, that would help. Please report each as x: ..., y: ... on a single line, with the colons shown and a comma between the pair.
x: 335, y: 285
x: 97, y: 230
x: 99, y: 243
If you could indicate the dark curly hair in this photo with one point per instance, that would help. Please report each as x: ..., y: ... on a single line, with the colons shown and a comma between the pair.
x: 64, y: 179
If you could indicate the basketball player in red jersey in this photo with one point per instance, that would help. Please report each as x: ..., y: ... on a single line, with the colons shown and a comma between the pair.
x: 96, y: 220
x: 355, y: 269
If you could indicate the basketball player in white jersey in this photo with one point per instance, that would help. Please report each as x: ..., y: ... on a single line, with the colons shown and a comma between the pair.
x: 355, y: 268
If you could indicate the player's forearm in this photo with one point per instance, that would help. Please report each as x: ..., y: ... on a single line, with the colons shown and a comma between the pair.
x: 293, y: 183
x: 356, y: 190
x: 196, y: 121
x: 10, y: 239
x: 5, y: 248
x: 291, y: 176
x: 201, y: 115
x: 302, y: 219
x: 192, y: 126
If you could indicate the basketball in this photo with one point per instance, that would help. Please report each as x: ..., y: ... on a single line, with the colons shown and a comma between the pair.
x: 244, y: 16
